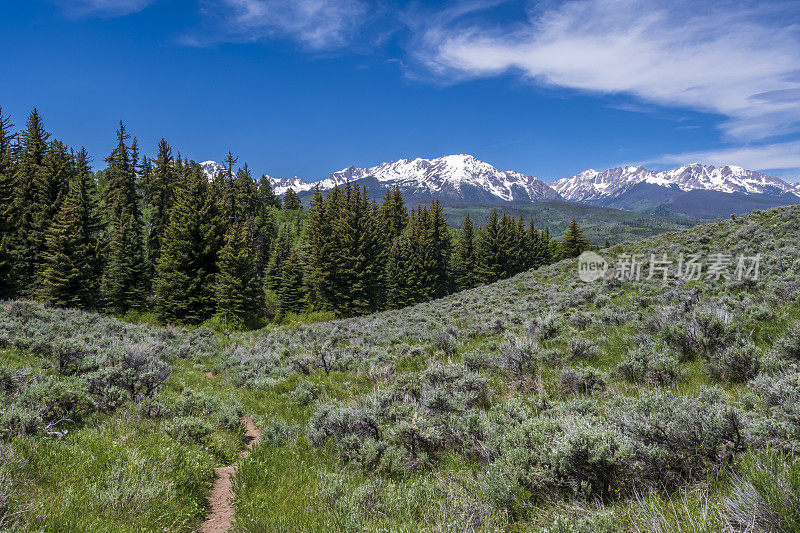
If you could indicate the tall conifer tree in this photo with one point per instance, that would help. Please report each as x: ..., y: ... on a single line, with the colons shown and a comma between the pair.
x: 124, y: 279
x: 183, y: 291
x: 291, y: 293
x: 68, y: 274
x: 464, y: 257
x: 278, y: 258
x: 291, y: 201
x: 402, y: 283
x: 490, y: 252
x: 27, y: 241
x: 7, y: 219
x: 238, y: 286
x: 574, y: 242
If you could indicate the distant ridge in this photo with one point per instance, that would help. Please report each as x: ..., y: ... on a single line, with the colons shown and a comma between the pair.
x: 465, y: 180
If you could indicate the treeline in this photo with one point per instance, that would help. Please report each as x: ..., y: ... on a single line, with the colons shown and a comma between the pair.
x: 158, y: 235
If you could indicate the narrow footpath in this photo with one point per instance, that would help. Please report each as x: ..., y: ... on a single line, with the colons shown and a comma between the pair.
x: 220, y: 518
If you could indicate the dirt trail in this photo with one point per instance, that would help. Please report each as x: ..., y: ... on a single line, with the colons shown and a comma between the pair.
x: 220, y: 518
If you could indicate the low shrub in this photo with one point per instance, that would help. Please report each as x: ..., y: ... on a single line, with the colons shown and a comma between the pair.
x: 676, y: 438
x: 584, y: 379
x: 47, y: 404
x: 189, y: 429
x: 221, y: 414
x: 582, y: 349
x: 545, y: 457
x: 305, y: 392
x: 517, y: 355
x: 650, y: 364
x: 781, y: 428
x: 737, y: 363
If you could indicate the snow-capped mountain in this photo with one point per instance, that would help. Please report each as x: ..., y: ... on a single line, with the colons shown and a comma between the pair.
x: 281, y: 185
x: 453, y: 178
x: 211, y: 168
x: 591, y: 186
x: 693, y: 191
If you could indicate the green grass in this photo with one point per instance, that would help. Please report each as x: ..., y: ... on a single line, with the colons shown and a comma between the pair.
x: 124, y: 472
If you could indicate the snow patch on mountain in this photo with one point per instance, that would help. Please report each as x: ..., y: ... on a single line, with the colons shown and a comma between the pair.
x: 452, y: 175
x: 592, y: 185
x: 281, y: 185
x: 211, y: 169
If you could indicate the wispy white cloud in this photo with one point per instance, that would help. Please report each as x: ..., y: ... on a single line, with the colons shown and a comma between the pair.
x: 103, y: 8
x: 316, y: 24
x: 784, y: 158
x: 729, y: 58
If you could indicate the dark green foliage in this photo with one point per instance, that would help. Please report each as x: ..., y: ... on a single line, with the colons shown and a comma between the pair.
x: 464, y: 267
x: 291, y: 291
x: 238, y: 288
x: 574, y: 242
x: 27, y: 241
x: 266, y: 195
x: 124, y: 282
x: 185, y: 274
x: 291, y: 201
x: 69, y: 273
x: 402, y: 283
x: 144, y: 234
x: 360, y: 251
x: 7, y: 190
x: 279, y: 257
x: 159, y: 196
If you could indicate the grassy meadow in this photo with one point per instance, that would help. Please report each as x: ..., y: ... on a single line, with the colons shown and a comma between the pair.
x: 537, y: 403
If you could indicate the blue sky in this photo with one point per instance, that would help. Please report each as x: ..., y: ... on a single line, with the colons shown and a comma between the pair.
x: 307, y: 87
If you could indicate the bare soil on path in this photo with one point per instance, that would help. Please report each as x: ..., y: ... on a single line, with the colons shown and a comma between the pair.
x: 220, y: 518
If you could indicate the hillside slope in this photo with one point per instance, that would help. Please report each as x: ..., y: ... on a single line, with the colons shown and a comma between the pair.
x: 540, y: 402
x: 553, y: 393
x: 597, y: 223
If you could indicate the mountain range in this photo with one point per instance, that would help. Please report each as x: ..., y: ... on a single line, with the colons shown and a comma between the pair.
x: 691, y: 191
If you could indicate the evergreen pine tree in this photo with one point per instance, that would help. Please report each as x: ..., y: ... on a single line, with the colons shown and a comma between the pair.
x: 122, y: 283
x: 538, y: 247
x: 27, y: 242
x: 402, y: 283
x: 291, y: 292
x: 278, y: 258
x: 160, y: 196
x: 574, y: 243
x: 124, y: 279
x: 490, y: 252
x: 440, y: 247
x: 264, y: 225
x: 7, y: 167
x: 183, y: 290
x: 68, y: 277
x: 393, y: 215
x: 464, y: 257
x: 321, y: 252
x: 52, y: 184
x: 266, y: 195
x: 361, y: 245
x: 93, y: 224
x: 291, y: 201
x: 238, y: 286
